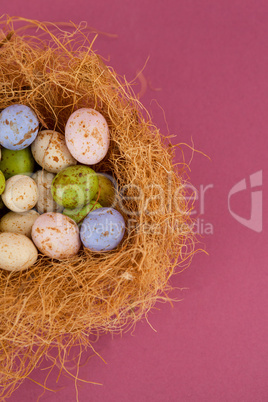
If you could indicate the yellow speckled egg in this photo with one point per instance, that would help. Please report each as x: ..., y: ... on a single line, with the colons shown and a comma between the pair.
x: 50, y: 151
x: 18, y: 222
x: 45, y: 201
x: 87, y: 136
x: 17, y: 252
x: 56, y: 235
x: 21, y: 193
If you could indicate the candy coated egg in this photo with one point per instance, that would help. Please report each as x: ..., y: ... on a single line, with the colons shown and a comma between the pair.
x: 87, y: 136
x: 78, y: 214
x: 75, y: 186
x: 45, y: 202
x: 21, y: 193
x: 106, y: 193
x: 16, y: 162
x: 17, y: 252
x: 2, y: 182
x: 50, y: 151
x: 56, y: 235
x: 18, y: 127
x: 18, y: 222
x: 102, y: 229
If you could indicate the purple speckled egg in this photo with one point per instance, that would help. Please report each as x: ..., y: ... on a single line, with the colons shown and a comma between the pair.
x: 18, y: 127
x: 102, y: 229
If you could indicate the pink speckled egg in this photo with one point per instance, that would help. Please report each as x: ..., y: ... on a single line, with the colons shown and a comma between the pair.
x: 56, y: 235
x: 87, y: 136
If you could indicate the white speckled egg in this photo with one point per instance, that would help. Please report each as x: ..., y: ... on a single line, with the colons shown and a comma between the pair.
x: 87, y: 136
x: 17, y: 252
x: 18, y: 127
x: 18, y: 222
x: 45, y: 201
x: 21, y: 193
x: 56, y: 235
x: 50, y: 151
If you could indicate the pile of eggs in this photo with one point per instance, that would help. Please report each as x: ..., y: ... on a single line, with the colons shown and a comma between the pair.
x: 64, y: 203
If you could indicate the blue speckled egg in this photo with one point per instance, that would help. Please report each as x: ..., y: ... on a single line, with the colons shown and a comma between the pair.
x: 102, y: 229
x: 18, y: 127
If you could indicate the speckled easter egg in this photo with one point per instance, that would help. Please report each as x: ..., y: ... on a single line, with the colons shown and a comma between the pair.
x: 2, y: 182
x: 75, y: 186
x: 45, y: 202
x: 78, y: 214
x: 56, y: 235
x: 16, y: 162
x: 18, y: 127
x: 21, y: 193
x: 50, y: 151
x: 18, y: 222
x: 17, y: 252
x: 87, y: 136
x: 102, y: 229
x: 106, y: 193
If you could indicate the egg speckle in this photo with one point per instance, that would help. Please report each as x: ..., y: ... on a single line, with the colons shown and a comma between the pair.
x: 87, y: 136
x: 102, y: 229
x: 21, y: 193
x: 50, y: 151
x: 18, y: 127
x: 17, y: 252
x: 56, y: 235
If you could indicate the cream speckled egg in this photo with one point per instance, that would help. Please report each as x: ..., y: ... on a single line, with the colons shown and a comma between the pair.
x: 56, y: 235
x: 87, y: 136
x: 18, y: 222
x: 45, y: 202
x: 50, y: 151
x: 17, y: 252
x: 21, y: 193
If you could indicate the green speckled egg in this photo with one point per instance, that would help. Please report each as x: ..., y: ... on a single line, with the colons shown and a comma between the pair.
x: 2, y: 182
x: 75, y: 186
x: 17, y: 162
x: 78, y: 214
x: 107, y: 191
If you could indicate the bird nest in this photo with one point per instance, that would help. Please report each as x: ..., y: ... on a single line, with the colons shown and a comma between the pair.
x: 60, y: 303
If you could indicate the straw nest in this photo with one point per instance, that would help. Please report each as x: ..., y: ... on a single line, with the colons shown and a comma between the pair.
x: 55, y: 72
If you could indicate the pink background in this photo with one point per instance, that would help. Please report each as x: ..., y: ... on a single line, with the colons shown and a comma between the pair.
x: 210, y: 58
